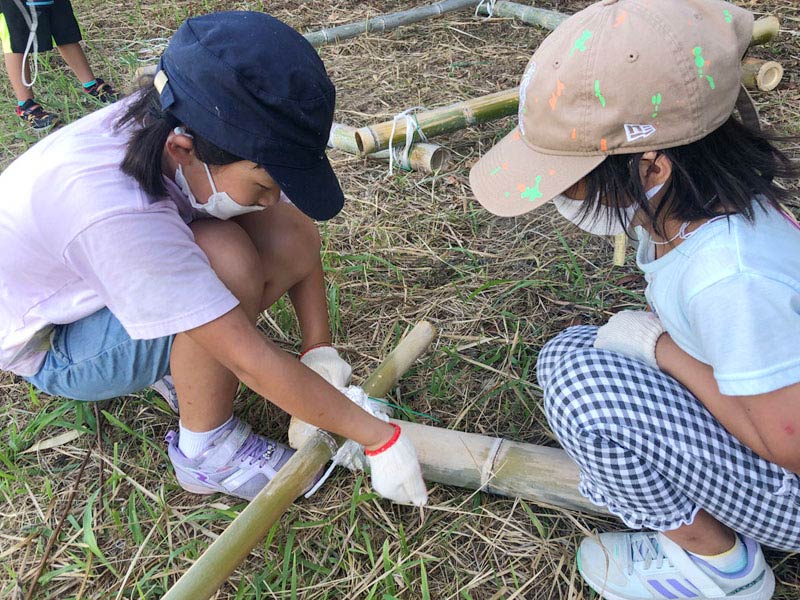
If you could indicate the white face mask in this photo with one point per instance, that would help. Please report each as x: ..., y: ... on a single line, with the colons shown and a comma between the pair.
x: 604, y: 222
x: 219, y: 204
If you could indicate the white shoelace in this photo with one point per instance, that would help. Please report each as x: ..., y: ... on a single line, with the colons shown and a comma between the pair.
x: 644, y: 548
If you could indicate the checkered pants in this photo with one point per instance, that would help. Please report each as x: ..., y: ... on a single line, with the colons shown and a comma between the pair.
x: 651, y: 453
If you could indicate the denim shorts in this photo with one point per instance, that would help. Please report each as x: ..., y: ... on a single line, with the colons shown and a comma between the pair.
x: 95, y: 359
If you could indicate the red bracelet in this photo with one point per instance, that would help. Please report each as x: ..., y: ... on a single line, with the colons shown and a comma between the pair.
x: 387, y: 445
x: 320, y: 345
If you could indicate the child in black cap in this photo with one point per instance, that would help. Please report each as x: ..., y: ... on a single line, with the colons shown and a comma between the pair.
x: 54, y: 22
x: 187, y: 212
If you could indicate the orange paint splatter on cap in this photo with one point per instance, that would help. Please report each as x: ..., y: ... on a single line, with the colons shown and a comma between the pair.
x: 521, y: 187
x: 551, y: 172
x: 515, y: 136
x: 621, y: 18
x: 574, y: 134
x: 557, y: 94
x: 603, y: 145
x: 505, y: 166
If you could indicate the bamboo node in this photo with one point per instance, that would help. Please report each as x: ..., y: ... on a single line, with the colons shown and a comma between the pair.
x: 487, y: 471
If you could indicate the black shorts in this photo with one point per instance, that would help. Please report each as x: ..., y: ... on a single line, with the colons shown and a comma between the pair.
x: 56, y: 23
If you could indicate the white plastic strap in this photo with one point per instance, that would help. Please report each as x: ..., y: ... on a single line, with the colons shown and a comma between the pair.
x: 32, y: 20
x: 489, y: 8
x: 412, y: 127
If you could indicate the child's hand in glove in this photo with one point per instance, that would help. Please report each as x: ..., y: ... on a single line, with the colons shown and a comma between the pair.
x: 326, y: 362
x: 396, y: 474
x: 633, y: 333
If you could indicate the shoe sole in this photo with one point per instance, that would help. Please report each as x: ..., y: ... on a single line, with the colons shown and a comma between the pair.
x: 763, y: 592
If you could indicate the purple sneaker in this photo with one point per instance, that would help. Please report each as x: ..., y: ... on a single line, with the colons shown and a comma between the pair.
x: 238, y: 462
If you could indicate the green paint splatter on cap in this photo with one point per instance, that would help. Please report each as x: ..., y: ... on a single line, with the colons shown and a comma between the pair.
x: 656, y: 100
x: 507, y: 194
x: 580, y: 43
x: 598, y: 94
x: 700, y: 62
x: 532, y: 193
x: 495, y: 171
x: 728, y: 16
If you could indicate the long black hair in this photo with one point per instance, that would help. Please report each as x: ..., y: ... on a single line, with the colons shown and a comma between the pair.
x: 730, y: 171
x: 150, y: 128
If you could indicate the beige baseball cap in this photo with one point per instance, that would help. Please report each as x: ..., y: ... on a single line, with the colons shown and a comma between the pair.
x: 619, y: 77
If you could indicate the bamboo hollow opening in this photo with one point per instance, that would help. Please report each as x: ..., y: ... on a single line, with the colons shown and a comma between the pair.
x: 763, y: 75
x: 227, y: 552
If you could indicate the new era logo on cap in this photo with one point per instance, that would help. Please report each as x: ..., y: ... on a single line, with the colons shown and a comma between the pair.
x: 638, y: 132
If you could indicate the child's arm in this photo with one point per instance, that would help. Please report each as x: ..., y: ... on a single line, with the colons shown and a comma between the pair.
x: 769, y: 424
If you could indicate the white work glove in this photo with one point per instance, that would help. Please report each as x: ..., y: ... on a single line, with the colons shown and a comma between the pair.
x: 326, y: 362
x: 633, y: 333
x: 396, y: 474
x: 351, y: 454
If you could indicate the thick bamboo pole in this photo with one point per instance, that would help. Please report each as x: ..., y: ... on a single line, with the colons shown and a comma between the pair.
x: 541, y: 17
x: 764, y: 75
x: 453, y: 117
x: 426, y: 158
x: 385, y: 22
x: 765, y: 30
x: 227, y: 552
x: 620, y: 246
x: 479, y: 462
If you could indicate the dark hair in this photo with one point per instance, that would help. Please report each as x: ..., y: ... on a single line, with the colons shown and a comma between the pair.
x: 722, y: 173
x: 152, y: 126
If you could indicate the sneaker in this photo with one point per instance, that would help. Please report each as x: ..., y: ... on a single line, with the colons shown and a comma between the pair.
x: 37, y: 117
x: 238, y: 462
x: 102, y: 91
x: 166, y: 388
x: 650, y: 566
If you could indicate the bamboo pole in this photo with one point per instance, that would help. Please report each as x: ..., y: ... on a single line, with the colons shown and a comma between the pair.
x: 227, y: 552
x: 478, y: 462
x: 541, y: 17
x: 620, y: 246
x: 453, y: 117
x: 764, y: 75
x: 423, y: 157
x: 385, y: 22
x: 765, y: 30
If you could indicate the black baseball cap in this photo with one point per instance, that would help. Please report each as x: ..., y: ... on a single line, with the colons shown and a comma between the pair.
x: 254, y: 87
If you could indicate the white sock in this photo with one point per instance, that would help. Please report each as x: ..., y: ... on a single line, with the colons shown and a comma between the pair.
x: 730, y: 561
x: 193, y: 443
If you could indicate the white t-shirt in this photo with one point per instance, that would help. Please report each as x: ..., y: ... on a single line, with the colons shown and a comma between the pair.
x: 729, y: 296
x: 76, y: 234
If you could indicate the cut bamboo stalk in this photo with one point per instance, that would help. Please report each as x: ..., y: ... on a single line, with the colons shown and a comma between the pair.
x: 453, y: 117
x: 423, y: 157
x: 227, y: 552
x: 478, y: 462
x: 541, y: 17
x: 765, y: 30
x: 764, y: 75
x: 385, y: 22
x: 620, y: 246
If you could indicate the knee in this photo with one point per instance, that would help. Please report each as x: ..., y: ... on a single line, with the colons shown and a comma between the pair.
x: 294, y: 248
x: 557, y: 349
x: 234, y: 259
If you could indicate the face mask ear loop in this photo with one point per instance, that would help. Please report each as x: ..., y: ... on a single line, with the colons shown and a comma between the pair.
x: 210, y: 179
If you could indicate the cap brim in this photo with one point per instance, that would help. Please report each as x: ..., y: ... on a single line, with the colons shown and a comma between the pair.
x: 315, y: 191
x: 512, y: 178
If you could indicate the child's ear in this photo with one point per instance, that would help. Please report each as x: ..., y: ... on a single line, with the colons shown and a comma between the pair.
x: 655, y: 168
x: 180, y: 147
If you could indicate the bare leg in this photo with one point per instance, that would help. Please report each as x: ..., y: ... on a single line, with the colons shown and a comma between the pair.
x: 74, y: 57
x: 705, y: 536
x: 256, y: 274
x: 14, y: 68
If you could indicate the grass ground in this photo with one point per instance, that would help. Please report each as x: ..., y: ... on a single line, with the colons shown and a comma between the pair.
x: 405, y: 248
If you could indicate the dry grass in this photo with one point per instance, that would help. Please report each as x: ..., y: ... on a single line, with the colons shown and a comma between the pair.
x: 405, y: 248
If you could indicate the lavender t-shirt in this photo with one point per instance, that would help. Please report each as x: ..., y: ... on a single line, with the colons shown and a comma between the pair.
x: 76, y: 234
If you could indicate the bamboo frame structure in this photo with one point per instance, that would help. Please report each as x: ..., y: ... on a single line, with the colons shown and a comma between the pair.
x: 537, y: 473
x: 541, y: 17
x: 453, y: 117
x: 423, y: 157
x: 385, y: 22
x: 227, y: 552
x: 764, y: 75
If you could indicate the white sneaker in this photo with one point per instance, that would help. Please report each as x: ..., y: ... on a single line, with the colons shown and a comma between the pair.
x: 238, y: 462
x: 650, y: 566
x: 166, y: 388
